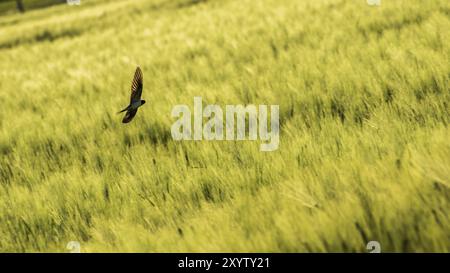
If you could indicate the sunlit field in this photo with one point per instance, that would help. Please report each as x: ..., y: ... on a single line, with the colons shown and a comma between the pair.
x: 364, y: 150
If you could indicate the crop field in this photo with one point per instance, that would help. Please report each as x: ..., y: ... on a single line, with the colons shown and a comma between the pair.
x: 364, y: 150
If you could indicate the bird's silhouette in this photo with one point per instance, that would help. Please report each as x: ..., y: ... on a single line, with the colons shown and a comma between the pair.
x: 135, y: 99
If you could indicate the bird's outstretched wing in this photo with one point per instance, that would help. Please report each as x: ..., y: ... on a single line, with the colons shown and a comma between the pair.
x: 129, y: 115
x: 136, y: 86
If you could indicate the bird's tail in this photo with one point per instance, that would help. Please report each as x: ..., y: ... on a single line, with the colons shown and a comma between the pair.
x: 126, y: 109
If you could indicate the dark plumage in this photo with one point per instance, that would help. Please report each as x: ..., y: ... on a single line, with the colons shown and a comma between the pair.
x: 135, y: 98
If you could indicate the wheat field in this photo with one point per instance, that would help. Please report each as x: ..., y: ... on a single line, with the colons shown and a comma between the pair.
x: 364, y: 149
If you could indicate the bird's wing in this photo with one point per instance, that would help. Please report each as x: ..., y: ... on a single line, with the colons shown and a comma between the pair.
x: 136, y: 86
x: 129, y: 115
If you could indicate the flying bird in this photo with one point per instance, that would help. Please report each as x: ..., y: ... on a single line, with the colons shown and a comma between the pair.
x: 135, y: 99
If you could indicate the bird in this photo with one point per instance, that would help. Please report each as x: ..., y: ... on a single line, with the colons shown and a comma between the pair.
x: 135, y: 98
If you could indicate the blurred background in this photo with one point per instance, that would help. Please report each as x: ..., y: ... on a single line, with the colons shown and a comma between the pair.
x: 11, y: 6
